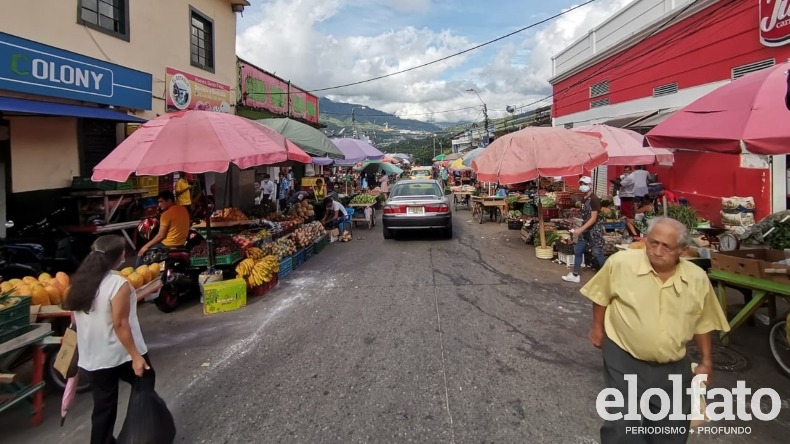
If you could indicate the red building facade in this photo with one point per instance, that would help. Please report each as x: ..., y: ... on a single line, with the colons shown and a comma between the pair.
x: 673, y: 59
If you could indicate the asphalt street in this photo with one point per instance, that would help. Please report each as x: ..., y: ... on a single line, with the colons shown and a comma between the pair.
x: 410, y: 340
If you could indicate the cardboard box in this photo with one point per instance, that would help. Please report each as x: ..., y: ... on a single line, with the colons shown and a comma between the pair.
x: 220, y: 297
x: 752, y: 262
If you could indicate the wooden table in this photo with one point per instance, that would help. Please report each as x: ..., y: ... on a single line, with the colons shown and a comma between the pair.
x: 763, y: 291
x: 112, y: 199
x: 491, y: 205
x: 13, y: 392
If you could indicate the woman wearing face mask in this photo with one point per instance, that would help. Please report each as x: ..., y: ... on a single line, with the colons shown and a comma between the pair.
x: 590, y: 233
x: 111, y: 346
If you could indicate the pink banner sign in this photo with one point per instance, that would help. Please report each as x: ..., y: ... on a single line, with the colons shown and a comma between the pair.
x: 262, y: 90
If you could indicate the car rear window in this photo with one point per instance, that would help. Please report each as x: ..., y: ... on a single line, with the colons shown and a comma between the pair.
x: 416, y: 189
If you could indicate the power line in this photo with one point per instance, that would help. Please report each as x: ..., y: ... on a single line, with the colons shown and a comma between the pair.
x: 567, y: 11
x: 402, y: 115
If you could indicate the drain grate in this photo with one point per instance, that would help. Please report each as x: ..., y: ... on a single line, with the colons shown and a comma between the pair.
x: 724, y: 358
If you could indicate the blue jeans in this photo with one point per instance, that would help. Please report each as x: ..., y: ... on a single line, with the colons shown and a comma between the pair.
x: 578, y: 254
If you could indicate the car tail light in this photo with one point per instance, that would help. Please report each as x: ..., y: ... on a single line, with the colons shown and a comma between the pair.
x: 395, y: 209
x: 441, y: 208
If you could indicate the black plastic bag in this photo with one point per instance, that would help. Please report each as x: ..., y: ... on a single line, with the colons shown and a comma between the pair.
x: 148, y: 420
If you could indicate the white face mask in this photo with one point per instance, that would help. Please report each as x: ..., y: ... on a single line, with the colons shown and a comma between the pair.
x: 584, y: 188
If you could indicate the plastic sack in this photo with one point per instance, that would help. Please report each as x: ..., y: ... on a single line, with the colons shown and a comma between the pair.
x: 148, y: 420
x: 732, y: 203
x: 737, y: 219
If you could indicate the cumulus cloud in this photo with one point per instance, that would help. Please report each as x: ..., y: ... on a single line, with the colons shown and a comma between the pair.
x: 290, y: 38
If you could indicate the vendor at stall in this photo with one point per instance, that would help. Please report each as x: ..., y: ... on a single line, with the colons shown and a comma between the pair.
x: 184, y: 190
x: 173, y: 226
x: 590, y: 234
x: 384, y: 184
x: 319, y: 194
x: 283, y: 190
x: 335, y: 213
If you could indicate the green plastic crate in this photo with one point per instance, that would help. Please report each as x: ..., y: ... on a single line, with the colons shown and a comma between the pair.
x: 321, y: 243
x: 228, y: 259
x: 11, y: 314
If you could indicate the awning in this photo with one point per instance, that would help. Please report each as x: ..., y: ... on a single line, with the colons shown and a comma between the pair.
x: 654, y: 120
x: 23, y: 106
x: 625, y: 120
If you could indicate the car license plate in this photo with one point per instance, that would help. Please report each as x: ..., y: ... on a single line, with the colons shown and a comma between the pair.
x: 415, y: 210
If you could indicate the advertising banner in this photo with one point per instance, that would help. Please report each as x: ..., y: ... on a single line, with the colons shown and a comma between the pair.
x: 264, y: 91
x: 30, y: 67
x: 187, y: 91
x: 774, y: 22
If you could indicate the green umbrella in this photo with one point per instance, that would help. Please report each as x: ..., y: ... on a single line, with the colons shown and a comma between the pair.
x: 311, y: 140
x: 439, y: 158
x: 374, y: 166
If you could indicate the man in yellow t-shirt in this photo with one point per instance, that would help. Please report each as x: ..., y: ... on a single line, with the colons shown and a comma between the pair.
x: 183, y: 191
x: 647, y: 305
x: 173, y: 226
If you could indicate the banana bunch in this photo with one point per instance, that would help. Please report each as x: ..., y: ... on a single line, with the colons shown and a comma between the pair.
x: 255, y: 253
x: 263, y: 271
x: 245, y: 268
x: 263, y: 234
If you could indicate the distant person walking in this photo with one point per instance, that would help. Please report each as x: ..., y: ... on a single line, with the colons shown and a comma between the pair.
x: 590, y: 234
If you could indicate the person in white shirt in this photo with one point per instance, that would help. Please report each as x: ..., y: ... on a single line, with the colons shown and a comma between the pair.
x: 111, y: 345
x: 384, y: 184
x: 268, y: 189
x: 335, y: 213
x: 638, y: 180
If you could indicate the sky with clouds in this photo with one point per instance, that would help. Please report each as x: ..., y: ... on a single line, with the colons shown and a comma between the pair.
x: 324, y: 43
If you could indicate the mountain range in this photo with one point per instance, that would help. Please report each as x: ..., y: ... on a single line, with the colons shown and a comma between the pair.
x: 337, y: 115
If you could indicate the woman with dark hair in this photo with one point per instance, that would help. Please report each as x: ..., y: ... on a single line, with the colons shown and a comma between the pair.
x: 111, y: 346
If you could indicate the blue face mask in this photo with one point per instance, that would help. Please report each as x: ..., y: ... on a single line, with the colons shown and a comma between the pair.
x: 584, y: 188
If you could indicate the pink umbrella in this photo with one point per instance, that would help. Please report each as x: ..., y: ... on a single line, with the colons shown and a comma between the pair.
x: 747, y: 113
x: 69, y: 393
x: 197, y: 142
x: 539, y: 152
x: 626, y: 147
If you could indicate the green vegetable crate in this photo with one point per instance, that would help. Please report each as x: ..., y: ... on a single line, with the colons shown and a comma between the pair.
x: 13, y: 320
x: 227, y: 259
x: 286, y: 267
x: 321, y: 243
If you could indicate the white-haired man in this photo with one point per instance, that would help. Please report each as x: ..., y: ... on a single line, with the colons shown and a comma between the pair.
x: 647, y: 305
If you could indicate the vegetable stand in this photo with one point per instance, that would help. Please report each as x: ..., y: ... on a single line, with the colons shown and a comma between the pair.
x: 495, y: 207
x: 364, y: 212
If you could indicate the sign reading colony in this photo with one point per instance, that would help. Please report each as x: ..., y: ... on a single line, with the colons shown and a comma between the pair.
x: 33, y: 68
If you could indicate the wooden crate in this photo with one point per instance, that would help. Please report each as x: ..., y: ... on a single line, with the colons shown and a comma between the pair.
x: 752, y: 263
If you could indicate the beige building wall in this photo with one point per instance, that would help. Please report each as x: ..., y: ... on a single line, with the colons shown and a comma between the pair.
x: 158, y: 38
x: 44, y: 152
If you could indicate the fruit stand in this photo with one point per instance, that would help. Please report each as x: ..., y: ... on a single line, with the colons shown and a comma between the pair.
x: 365, y: 211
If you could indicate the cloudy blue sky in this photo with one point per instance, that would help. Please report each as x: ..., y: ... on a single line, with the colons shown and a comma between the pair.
x: 324, y: 43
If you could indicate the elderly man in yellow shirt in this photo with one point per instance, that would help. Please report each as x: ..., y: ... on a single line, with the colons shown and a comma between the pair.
x: 647, y: 305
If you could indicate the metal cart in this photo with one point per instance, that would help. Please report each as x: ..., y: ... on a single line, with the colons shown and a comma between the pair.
x: 495, y: 207
x: 364, y: 213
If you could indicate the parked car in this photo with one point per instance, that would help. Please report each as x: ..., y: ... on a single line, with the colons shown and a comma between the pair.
x: 421, y: 173
x: 417, y: 205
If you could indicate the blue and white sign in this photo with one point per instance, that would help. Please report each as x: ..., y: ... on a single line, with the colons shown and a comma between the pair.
x: 31, y: 67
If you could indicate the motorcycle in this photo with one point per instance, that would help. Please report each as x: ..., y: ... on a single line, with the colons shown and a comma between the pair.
x: 180, y: 280
x: 36, y: 248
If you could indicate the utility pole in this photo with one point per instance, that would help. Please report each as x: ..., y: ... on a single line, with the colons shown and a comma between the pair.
x: 354, y: 120
x: 434, y: 147
x: 485, y: 116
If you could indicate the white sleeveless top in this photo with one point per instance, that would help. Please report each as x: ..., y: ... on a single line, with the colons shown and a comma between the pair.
x: 98, y: 345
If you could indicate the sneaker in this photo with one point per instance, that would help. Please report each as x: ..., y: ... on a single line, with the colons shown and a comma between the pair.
x: 570, y: 277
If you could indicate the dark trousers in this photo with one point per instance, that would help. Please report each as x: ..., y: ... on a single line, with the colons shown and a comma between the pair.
x: 617, y: 364
x: 104, y: 386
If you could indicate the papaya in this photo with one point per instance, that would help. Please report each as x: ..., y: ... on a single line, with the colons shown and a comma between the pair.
x: 6, y: 287
x: 22, y: 290
x: 40, y: 296
x: 142, y: 270
x: 63, y: 278
x: 44, y: 278
x: 136, y: 280
x: 155, y: 270
x: 29, y: 280
x: 54, y: 294
x: 127, y: 271
x: 15, y: 282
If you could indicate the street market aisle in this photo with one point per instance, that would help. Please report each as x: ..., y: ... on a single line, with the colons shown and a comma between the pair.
x: 420, y: 340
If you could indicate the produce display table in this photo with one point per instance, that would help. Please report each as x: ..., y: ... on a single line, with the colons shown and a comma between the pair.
x: 228, y: 224
x: 360, y: 210
x: 763, y: 290
x: 13, y: 392
x: 496, y: 207
x: 112, y: 200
